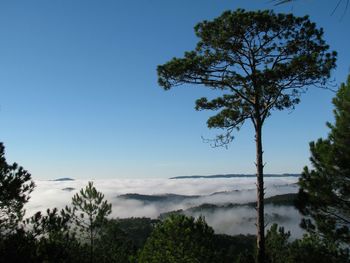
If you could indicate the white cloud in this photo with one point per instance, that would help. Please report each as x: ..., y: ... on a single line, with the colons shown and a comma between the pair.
x: 49, y: 194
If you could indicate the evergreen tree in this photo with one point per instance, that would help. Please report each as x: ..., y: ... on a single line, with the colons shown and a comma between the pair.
x: 277, y: 244
x: 89, y: 212
x: 55, y: 242
x: 18, y: 247
x: 180, y: 239
x: 114, y: 245
x: 310, y: 248
x: 325, y: 189
x: 260, y: 61
x: 15, y: 188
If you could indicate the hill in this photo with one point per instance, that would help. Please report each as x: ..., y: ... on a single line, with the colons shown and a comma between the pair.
x: 232, y: 176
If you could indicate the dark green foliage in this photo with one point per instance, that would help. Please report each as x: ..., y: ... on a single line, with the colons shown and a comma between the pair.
x: 51, y: 224
x: 325, y: 189
x: 277, y: 242
x: 55, y: 241
x: 18, y: 247
x: 137, y: 229
x: 261, y: 60
x: 239, y: 249
x: 121, y: 239
x: 15, y: 187
x: 23, y: 247
x: 89, y: 210
x: 313, y: 249
x: 113, y: 245
x: 309, y: 249
x: 180, y: 239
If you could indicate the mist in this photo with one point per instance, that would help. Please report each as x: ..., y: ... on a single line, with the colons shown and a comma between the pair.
x: 194, y: 192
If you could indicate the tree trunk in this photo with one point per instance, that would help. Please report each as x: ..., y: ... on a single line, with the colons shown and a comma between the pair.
x: 260, y: 193
x: 91, y: 241
x: 91, y: 248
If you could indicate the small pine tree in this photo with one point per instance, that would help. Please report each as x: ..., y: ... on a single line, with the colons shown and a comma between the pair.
x: 89, y: 212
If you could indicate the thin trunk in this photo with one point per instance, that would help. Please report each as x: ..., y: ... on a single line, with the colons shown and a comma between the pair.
x: 260, y: 193
x: 91, y: 247
x: 91, y: 241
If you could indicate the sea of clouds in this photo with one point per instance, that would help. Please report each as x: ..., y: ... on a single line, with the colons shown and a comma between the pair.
x: 49, y: 194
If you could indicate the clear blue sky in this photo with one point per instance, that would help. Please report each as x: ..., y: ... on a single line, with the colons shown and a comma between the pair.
x: 79, y: 94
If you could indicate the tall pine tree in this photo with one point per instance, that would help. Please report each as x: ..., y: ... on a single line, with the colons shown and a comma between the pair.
x: 260, y: 62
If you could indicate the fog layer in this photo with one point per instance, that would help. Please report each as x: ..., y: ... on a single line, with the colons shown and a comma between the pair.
x: 194, y: 192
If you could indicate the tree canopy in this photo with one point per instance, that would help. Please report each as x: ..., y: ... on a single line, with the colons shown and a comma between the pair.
x: 310, y: 248
x: 180, y: 239
x: 257, y: 58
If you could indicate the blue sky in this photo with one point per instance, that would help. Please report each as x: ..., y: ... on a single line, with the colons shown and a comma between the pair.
x: 79, y: 93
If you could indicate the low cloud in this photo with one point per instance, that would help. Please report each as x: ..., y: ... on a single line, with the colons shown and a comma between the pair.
x: 49, y: 194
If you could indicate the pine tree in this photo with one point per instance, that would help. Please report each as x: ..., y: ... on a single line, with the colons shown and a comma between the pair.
x: 260, y: 61
x: 325, y: 189
x: 15, y: 187
x: 180, y: 239
x: 89, y: 212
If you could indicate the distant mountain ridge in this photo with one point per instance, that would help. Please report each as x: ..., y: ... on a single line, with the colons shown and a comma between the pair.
x: 285, y: 200
x: 231, y: 176
x: 173, y: 198
x: 63, y: 179
x: 157, y: 198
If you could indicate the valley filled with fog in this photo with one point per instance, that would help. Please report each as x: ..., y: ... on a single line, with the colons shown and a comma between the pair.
x: 226, y: 203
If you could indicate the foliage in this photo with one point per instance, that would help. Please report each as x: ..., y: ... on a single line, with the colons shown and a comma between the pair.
x: 49, y: 225
x: 114, y: 245
x: 137, y: 229
x: 260, y: 61
x: 15, y: 188
x: 55, y: 241
x: 238, y: 249
x: 310, y: 248
x: 89, y: 209
x: 325, y: 189
x: 180, y: 239
x: 89, y: 212
x: 277, y: 242
x: 18, y: 247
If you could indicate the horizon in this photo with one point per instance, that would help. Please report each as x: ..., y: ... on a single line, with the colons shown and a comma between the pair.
x: 180, y: 177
